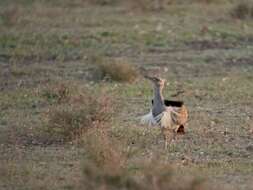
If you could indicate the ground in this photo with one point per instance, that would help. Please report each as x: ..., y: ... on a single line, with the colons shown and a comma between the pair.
x: 199, y: 48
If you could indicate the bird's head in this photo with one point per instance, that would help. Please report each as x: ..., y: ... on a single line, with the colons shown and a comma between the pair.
x: 158, y: 82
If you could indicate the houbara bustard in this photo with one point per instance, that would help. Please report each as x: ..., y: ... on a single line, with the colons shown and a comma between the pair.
x: 171, y: 116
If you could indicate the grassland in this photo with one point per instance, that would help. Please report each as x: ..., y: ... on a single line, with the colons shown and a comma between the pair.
x: 66, y: 122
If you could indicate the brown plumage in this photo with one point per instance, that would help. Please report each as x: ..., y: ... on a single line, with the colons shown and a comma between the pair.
x: 181, y: 119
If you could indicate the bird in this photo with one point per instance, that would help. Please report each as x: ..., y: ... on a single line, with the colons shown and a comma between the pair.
x: 171, y: 116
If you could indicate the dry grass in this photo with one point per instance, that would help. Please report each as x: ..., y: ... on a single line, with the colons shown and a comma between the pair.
x: 104, y: 151
x: 10, y: 15
x: 73, y: 117
x: 70, y: 112
x: 106, y: 164
x: 243, y: 10
x: 103, y: 2
x: 41, y: 118
x: 57, y: 93
x: 119, y: 70
x: 11, y: 173
x: 211, y: 1
x: 107, y: 167
x: 147, y: 5
x: 159, y: 5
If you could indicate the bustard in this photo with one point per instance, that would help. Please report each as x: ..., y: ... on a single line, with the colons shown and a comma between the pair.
x: 171, y: 116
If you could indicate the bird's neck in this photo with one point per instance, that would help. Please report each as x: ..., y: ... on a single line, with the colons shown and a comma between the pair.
x: 158, y: 105
x: 158, y: 97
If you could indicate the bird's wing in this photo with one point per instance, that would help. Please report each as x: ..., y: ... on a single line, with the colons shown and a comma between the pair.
x: 148, y: 119
x: 171, y: 117
x: 164, y: 119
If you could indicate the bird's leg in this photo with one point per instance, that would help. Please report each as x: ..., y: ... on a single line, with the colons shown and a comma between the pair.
x: 169, y: 135
x: 172, y: 137
x: 175, y: 136
x: 165, y: 137
x: 166, y: 145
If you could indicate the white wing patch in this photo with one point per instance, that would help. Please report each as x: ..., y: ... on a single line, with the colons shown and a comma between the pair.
x: 148, y: 119
x: 165, y: 119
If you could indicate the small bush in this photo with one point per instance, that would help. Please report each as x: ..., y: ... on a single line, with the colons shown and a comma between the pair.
x: 70, y: 120
x: 242, y: 10
x: 104, y: 151
x: 105, y: 163
x: 10, y: 15
x: 114, y: 70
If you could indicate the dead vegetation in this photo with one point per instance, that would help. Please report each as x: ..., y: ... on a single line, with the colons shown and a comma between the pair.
x: 71, y: 112
x: 203, y: 45
x: 69, y: 120
x: 57, y: 93
x: 79, y: 112
x: 147, y: 5
x: 10, y: 15
x: 243, y: 10
x: 107, y: 167
x: 119, y: 70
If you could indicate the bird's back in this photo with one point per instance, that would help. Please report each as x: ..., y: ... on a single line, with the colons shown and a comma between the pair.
x: 172, y: 103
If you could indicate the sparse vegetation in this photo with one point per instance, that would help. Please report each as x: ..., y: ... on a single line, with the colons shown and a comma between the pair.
x: 57, y: 93
x: 243, y: 10
x: 114, y: 70
x: 10, y: 15
x: 103, y: 2
x: 147, y: 5
x: 80, y: 112
x: 107, y: 167
x: 71, y: 96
